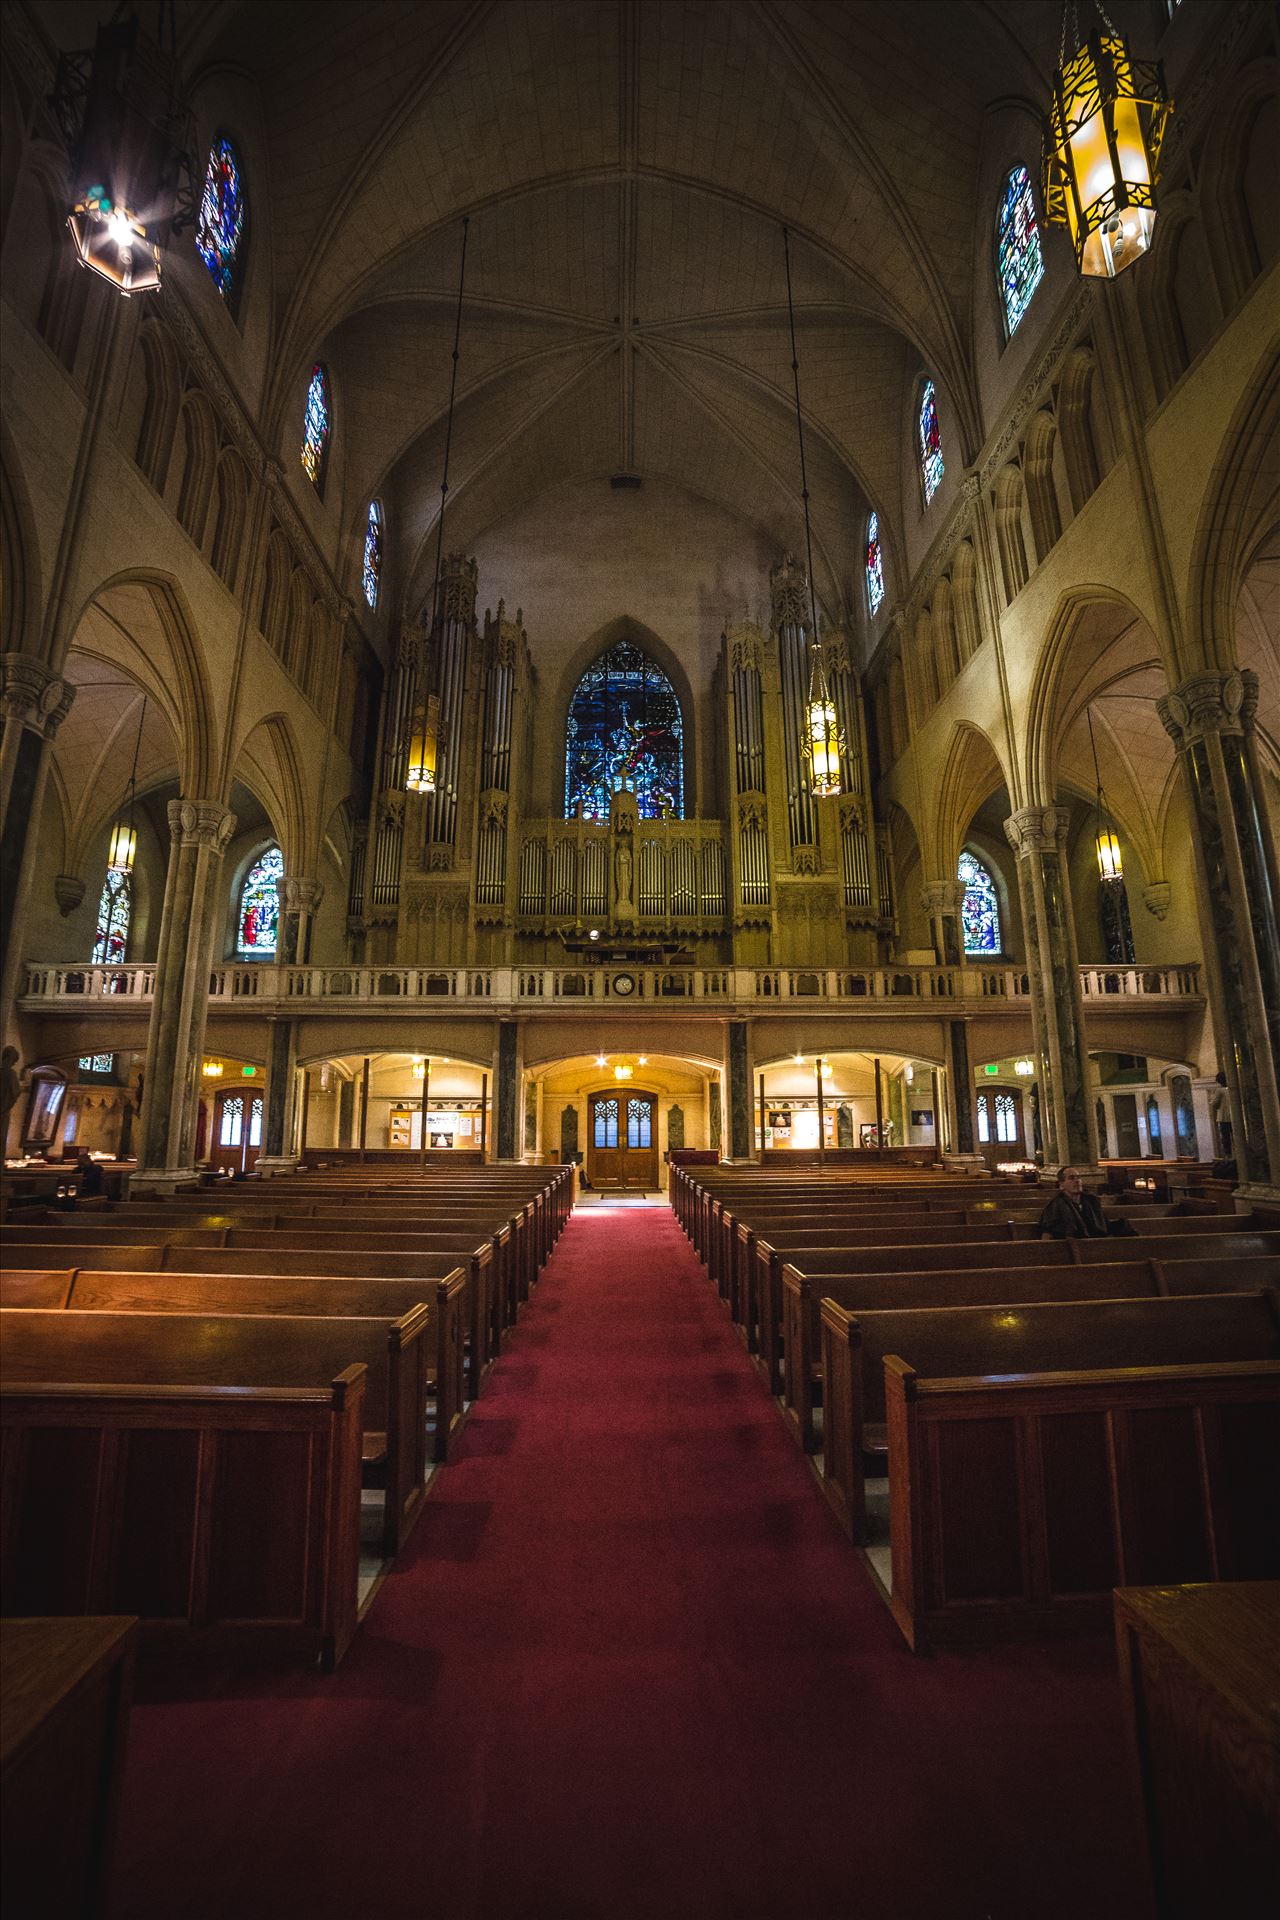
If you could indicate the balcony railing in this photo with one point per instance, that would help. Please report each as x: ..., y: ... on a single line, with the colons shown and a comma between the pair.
x: 502, y: 988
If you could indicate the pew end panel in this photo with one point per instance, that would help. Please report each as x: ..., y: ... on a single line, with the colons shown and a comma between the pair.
x: 843, y: 1481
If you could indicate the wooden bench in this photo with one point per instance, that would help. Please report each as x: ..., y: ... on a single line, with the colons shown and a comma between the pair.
x: 1018, y: 1503
x: 177, y: 1326
x: 216, y: 1500
x: 1040, y: 1337
x: 803, y: 1294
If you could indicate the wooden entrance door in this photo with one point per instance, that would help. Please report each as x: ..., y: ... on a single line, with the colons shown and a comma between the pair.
x: 999, y: 1126
x: 237, y: 1131
x: 622, y: 1140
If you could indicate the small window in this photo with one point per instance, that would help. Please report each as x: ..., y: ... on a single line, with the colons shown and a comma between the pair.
x: 606, y: 1123
x: 97, y: 1063
x: 875, y: 566
x: 980, y: 913
x: 231, y: 1124
x: 255, y: 1121
x: 220, y: 228
x: 984, y: 1120
x: 932, y: 465
x: 373, y: 553
x: 1019, y: 259
x: 316, y: 427
x: 639, y: 1123
x: 1006, y: 1117
x: 259, y: 922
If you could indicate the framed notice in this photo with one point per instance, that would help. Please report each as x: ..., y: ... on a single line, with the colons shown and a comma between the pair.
x: 43, y: 1107
x: 922, y: 1116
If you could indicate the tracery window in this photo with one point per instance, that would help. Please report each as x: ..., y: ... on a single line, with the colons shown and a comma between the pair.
x: 221, y: 223
x: 1019, y: 258
x: 373, y: 553
x: 984, y: 1121
x: 259, y: 922
x: 606, y: 1123
x: 932, y: 465
x: 231, y: 1123
x: 980, y: 912
x: 315, y: 428
x: 625, y: 732
x: 639, y: 1123
x: 875, y: 566
x: 115, y: 909
x: 1006, y: 1117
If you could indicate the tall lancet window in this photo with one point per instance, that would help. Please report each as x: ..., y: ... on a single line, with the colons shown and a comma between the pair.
x: 1019, y: 260
x: 115, y: 910
x: 980, y: 913
x: 932, y: 466
x: 259, y: 919
x: 625, y: 733
x: 875, y: 566
x: 316, y: 424
x: 220, y: 226
x: 373, y: 553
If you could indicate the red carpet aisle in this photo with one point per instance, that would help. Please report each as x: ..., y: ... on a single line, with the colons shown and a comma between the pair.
x: 631, y: 1671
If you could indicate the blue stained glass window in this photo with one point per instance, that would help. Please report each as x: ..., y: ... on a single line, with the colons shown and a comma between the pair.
x: 221, y: 222
x: 373, y: 553
x: 932, y: 466
x: 260, y: 907
x: 625, y: 732
x: 1019, y: 260
x: 639, y: 1123
x: 315, y: 428
x: 97, y: 1062
x: 980, y: 914
x: 875, y: 566
x: 115, y: 910
x: 606, y: 1123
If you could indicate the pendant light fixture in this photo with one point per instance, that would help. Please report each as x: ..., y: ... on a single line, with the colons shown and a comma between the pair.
x: 1102, y: 139
x: 424, y: 723
x: 822, y: 744
x: 124, y: 837
x: 1105, y: 841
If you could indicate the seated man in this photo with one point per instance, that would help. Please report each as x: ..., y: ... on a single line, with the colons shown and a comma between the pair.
x: 89, y: 1181
x: 1073, y: 1214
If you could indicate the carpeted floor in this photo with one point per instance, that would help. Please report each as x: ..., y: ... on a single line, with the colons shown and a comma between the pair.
x: 629, y: 1670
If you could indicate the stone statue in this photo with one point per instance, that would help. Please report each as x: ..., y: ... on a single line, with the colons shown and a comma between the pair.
x: 623, y: 863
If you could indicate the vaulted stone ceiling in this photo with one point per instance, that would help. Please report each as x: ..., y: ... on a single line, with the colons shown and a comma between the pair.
x: 625, y: 165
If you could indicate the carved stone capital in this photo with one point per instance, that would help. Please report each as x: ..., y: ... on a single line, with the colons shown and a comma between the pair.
x: 942, y: 896
x: 1209, y: 703
x: 201, y: 823
x: 804, y: 860
x: 744, y: 644
x: 751, y: 810
x: 1037, y: 830
x: 1156, y: 897
x: 298, y: 895
x: 33, y: 694
x: 852, y: 814
x: 789, y: 593
x: 68, y: 891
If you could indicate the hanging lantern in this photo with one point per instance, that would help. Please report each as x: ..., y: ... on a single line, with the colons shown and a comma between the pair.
x: 622, y: 1073
x: 822, y: 733
x: 1102, y: 140
x: 424, y: 742
x: 419, y: 1069
x: 1110, y: 865
x: 212, y: 1069
x: 123, y: 846
x: 114, y: 243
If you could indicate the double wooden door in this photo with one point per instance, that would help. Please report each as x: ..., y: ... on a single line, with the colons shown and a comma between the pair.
x: 622, y: 1140
x: 237, y: 1131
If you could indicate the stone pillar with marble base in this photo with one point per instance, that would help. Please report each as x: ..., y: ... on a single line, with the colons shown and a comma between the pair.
x: 1210, y: 719
x: 200, y: 832
x: 34, y: 702
x: 1038, y: 837
x: 278, y: 1155
x: 506, y: 1092
x: 738, y: 1128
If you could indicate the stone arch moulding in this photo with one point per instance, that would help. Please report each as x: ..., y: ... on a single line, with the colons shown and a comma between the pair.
x: 626, y: 627
x: 283, y: 797
x: 20, y: 569
x: 972, y: 772
x: 177, y: 667
x: 1040, y: 758
x: 1241, y: 502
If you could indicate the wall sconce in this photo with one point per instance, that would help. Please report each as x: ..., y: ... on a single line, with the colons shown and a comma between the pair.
x: 212, y: 1069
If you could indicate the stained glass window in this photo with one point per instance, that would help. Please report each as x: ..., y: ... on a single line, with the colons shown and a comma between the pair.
x: 984, y: 1120
x: 260, y: 907
x: 1019, y: 260
x: 875, y: 566
x: 625, y: 732
x: 373, y: 553
x: 231, y: 1124
x: 606, y: 1123
x: 639, y: 1123
x: 114, y: 911
x: 932, y: 466
x: 315, y: 428
x: 980, y: 914
x: 220, y: 226
x: 1006, y: 1117
x: 97, y: 1063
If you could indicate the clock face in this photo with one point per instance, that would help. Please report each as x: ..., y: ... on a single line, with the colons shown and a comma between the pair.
x: 624, y: 984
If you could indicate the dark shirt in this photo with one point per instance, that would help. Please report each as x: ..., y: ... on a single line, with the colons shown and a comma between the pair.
x: 1067, y: 1219
x: 89, y: 1179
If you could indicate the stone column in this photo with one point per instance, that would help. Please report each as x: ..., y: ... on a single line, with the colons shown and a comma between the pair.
x: 1210, y: 719
x: 278, y: 1155
x: 508, y: 1120
x: 34, y: 702
x: 200, y: 832
x: 299, y: 901
x: 1038, y: 837
x: 943, y: 900
x: 737, y: 1083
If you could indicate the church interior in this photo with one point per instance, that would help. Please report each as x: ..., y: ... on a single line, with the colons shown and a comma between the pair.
x: 641, y: 686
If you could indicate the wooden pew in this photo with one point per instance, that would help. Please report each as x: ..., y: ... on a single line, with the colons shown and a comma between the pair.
x: 804, y: 1293
x: 1017, y: 1503
x: 1041, y: 1337
x: 180, y: 1339
x: 218, y: 1501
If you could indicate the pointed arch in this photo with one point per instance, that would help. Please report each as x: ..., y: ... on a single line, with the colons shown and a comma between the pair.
x: 972, y: 771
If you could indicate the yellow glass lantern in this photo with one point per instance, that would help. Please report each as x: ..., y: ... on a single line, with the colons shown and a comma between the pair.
x: 419, y: 1069
x: 113, y: 242
x: 1102, y: 140
x: 622, y: 1073
x: 822, y: 733
x: 212, y: 1069
x: 123, y: 846
x: 424, y: 740
x: 1110, y: 865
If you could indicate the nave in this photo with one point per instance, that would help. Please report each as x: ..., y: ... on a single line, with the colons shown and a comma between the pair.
x: 629, y: 1667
